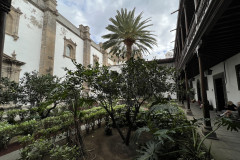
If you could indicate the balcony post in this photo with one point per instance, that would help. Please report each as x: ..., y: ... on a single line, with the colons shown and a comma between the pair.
x: 207, y: 128
x: 185, y: 18
x: 188, y: 111
x: 182, y: 37
x: 5, y: 6
x: 196, y: 4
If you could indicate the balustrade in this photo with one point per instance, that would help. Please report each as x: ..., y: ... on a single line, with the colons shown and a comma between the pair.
x: 193, y: 27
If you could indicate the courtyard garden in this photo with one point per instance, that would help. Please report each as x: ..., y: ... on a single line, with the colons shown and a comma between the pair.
x: 96, y: 113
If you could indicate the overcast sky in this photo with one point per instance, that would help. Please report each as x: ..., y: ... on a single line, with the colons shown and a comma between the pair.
x: 96, y: 14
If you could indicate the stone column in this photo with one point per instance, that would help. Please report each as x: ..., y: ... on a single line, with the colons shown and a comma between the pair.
x: 207, y: 128
x: 85, y: 34
x: 105, y: 55
x: 48, y: 37
x: 5, y: 6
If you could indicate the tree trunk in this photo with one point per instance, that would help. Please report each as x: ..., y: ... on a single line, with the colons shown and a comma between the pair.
x: 129, y: 49
x: 118, y: 129
x: 79, y: 137
x: 130, y: 124
x: 127, y: 140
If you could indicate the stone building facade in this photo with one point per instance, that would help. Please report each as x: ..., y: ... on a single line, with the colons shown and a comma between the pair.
x: 38, y: 38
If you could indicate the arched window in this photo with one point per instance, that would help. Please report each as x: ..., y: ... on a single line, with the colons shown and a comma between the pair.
x: 68, y: 50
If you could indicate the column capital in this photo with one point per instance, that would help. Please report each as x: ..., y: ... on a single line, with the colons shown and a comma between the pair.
x: 5, y: 5
x: 51, y: 5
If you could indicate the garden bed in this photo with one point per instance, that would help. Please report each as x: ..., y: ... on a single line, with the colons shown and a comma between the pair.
x: 108, y: 147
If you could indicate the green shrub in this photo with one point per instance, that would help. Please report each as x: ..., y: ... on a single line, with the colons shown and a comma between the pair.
x: 45, y: 149
x: 11, y: 115
x: 28, y: 127
x: 1, y: 115
x: 23, y: 114
x: 7, y: 131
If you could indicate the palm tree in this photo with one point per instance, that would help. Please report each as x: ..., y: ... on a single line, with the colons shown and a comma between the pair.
x: 128, y: 35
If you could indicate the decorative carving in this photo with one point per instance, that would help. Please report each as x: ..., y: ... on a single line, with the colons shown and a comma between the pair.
x: 11, y: 67
x: 12, y: 22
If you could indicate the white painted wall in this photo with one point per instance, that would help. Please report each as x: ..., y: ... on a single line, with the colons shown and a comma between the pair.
x: 28, y: 46
x: 93, y: 52
x: 117, y: 68
x: 60, y: 62
x: 233, y: 94
x: 110, y: 62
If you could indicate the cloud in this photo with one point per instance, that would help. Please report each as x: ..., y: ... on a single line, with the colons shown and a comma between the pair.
x: 96, y: 14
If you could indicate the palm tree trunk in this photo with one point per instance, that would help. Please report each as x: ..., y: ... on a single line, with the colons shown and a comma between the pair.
x: 129, y: 50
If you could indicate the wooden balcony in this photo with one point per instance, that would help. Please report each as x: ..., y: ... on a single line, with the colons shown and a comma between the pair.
x: 206, y: 16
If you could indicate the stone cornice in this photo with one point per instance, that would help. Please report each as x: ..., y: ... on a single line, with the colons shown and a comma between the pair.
x: 36, y: 5
x: 50, y: 10
x: 9, y: 59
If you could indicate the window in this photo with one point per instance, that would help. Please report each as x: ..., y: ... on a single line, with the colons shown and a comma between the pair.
x: 69, y: 49
x: 12, y: 22
x: 238, y: 75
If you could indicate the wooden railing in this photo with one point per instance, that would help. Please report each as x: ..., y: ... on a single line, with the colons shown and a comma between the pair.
x: 193, y: 28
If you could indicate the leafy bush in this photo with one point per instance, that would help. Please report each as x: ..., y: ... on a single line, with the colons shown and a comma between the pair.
x: 11, y: 115
x: 7, y: 131
x: 45, y: 149
x: 47, y: 127
x: 64, y: 152
x: 38, y: 150
x: 1, y: 115
x: 28, y: 127
x: 9, y: 91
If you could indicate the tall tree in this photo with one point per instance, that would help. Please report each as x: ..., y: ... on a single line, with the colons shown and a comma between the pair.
x: 137, y: 82
x: 129, y: 34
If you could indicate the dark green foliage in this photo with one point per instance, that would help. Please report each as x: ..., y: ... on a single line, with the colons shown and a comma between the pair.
x: 44, y: 149
x: 138, y: 82
x: 40, y: 91
x: 37, y: 88
x: 9, y: 91
x: 173, y: 136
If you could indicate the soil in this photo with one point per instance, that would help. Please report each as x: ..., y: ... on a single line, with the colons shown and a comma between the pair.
x: 99, y: 146
x: 11, y: 148
x: 103, y: 147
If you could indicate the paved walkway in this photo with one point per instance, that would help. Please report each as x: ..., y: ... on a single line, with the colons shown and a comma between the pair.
x: 227, y: 147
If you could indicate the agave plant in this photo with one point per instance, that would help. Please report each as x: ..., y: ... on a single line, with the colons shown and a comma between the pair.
x: 129, y: 34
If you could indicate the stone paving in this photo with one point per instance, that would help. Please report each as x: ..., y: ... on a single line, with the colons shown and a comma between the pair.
x: 227, y: 147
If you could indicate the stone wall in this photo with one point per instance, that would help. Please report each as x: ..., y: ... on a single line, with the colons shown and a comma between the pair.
x: 39, y: 42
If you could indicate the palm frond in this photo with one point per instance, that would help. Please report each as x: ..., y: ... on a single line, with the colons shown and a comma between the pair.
x: 126, y: 26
